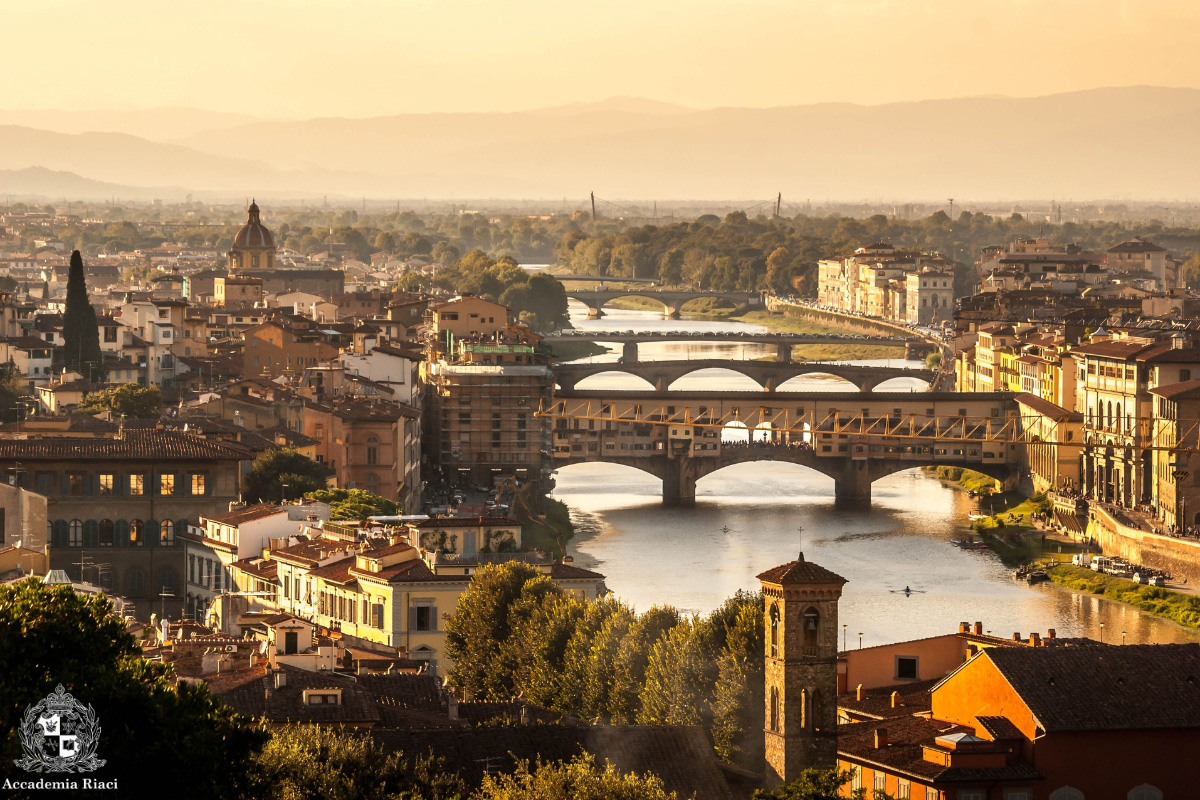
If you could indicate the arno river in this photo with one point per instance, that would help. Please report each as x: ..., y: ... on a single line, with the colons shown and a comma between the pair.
x: 750, y: 517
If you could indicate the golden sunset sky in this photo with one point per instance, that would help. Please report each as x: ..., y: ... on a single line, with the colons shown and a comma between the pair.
x: 303, y: 58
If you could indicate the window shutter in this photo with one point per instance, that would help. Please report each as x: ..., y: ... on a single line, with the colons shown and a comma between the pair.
x: 208, y: 484
x: 66, y: 485
x: 121, y: 530
x: 412, y: 619
x: 433, y: 618
x: 91, y: 533
x: 180, y: 489
x: 379, y: 616
x: 151, y: 532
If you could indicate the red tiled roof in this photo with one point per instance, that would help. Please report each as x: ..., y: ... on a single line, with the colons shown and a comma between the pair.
x: 133, y: 445
x: 248, y: 514
x: 800, y: 572
x: 1185, y: 390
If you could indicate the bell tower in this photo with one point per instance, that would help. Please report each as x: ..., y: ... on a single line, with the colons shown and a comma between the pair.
x: 800, y: 611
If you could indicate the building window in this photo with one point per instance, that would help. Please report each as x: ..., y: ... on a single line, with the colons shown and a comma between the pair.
x: 880, y: 781
x: 166, y: 532
x: 137, y: 485
x: 166, y: 484
x: 75, y: 484
x: 903, y: 789
x: 106, y: 484
x: 137, y: 533
x: 812, y: 627
x: 166, y: 582
x: 372, y: 455
x: 775, y: 631
x: 423, y: 616
x: 137, y: 582
x: 906, y: 668
x: 191, y: 569
x: 199, y: 485
x: 76, y: 533
x: 970, y: 794
x: 106, y: 532
x: 774, y: 721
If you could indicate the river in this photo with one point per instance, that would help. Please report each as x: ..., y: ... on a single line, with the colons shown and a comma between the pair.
x: 750, y: 517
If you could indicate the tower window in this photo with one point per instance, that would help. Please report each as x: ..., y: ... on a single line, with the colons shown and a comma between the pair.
x: 812, y: 627
x: 775, y: 631
x: 774, y: 709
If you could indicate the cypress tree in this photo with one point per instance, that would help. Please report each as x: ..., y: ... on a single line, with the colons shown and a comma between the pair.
x: 45, y: 290
x: 81, y: 334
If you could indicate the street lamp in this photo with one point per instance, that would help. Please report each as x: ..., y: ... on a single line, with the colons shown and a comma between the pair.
x: 283, y: 493
x: 1122, y: 637
x: 844, y: 627
x: 1101, y: 633
x: 860, y: 640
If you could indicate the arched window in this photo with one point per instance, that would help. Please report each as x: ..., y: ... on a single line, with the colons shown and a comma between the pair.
x: 774, y: 709
x: 1110, y: 414
x: 1066, y: 793
x: 775, y: 631
x: 106, y: 533
x: 75, y: 533
x: 137, y: 582
x: 166, y: 532
x: 106, y: 578
x: 137, y: 533
x: 372, y: 439
x: 812, y: 627
x: 1145, y: 792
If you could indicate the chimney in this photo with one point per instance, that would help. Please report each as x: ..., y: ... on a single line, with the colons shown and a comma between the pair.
x: 979, y: 629
x: 895, y: 698
x: 1050, y: 634
x: 452, y: 707
x: 858, y: 693
x: 362, y: 668
x: 524, y: 714
x: 1035, y: 640
x: 280, y: 679
x: 1016, y: 637
x: 881, y: 739
x: 964, y: 627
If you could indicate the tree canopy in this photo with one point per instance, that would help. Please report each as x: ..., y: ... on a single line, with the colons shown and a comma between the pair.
x: 578, y: 779
x: 282, y: 474
x: 516, y: 632
x: 355, y: 503
x: 128, y: 400
x: 152, y: 732
x: 309, y: 762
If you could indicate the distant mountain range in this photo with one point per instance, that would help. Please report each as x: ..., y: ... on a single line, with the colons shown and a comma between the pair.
x: 1124, y: 143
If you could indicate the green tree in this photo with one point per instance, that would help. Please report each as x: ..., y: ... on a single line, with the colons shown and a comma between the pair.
x: 151, y: 731
x: 1191, y: 271
x: 81, y: 334
x: 14, y: 388
x: 355, y: 503
x: 488, y: 614
x: 308, y: 762
x: 816, y: 784
x: 933, y: 361
x: 274, y: 468
x: 633, y: 655
x: 128, y: 400
x: 385, y: 242
x: 45, y: 290
x: 579, y: 779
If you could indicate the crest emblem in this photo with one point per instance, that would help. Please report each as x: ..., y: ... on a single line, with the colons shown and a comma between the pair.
x: 59, y: 734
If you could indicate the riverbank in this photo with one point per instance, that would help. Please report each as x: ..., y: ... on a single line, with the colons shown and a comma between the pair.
x: 572, y: 351
x: 1164, y: 603
x: 817, y: 352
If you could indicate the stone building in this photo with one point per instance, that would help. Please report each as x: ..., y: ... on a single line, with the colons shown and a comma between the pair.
x: 253, y: 246
x: 801, y: 614
x: 115, y: 505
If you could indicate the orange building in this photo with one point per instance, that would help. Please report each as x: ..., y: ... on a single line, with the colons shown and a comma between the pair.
x: 275, y: 348
x: 1039, y: 723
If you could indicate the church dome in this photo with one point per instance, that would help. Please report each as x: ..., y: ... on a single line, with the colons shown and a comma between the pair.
x: 253, y: 235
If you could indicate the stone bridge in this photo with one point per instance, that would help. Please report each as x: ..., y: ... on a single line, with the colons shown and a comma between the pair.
x: 783, y: 342
x: 767, y: 374
x: 671, y: 299
x: 855, y: 438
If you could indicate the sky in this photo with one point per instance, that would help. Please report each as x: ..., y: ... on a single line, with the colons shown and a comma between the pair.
x: 357, y: 58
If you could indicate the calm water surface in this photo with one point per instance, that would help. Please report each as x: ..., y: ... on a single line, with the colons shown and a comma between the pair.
x: 687, y: 558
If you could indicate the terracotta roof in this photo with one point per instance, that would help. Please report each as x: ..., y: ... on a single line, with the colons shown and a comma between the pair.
x: 570, y: 572
x: 258, y: 697
x: 800, y: 572
x: 1123, y: 349
x: 1185, y: 390
x: 1136, y: 246
x: 133, y: 445
x: 911, y: 698
x: 1045, y: 407
x: 680, y: 755
x: 336, y: 571
x: 999, y: 728
x: 905, y: 755
x: 1105, y: 688
x: 247, y: 514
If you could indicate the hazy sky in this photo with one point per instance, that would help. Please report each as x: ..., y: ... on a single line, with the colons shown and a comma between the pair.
x: 369, y: 57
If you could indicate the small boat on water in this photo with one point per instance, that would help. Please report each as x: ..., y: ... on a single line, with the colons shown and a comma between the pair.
x: 974, y: 517
x: 1037, y: 576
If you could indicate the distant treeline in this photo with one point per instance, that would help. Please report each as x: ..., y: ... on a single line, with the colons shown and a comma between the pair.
x: 736, y: 252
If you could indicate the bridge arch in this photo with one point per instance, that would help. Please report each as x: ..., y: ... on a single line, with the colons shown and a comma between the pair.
x: 902, y: 383
x: 732, y: 370
x: 804, y: 382
x: 606, y: 375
